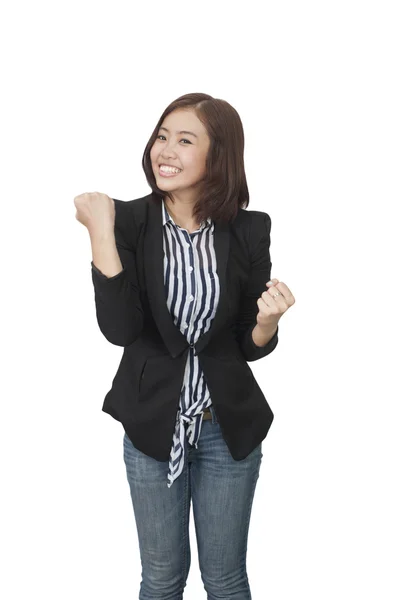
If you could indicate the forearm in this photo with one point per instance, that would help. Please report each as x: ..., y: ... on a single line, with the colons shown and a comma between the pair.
x: 117, y: 294
x: 262, y: 335
x: 105, y: 254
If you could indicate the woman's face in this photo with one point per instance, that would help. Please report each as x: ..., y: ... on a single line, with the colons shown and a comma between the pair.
x: 176, y: 147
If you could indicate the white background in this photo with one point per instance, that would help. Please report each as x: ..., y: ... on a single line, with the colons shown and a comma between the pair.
x: 316, y: 86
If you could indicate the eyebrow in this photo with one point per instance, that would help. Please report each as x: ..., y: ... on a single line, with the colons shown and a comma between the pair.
x: 187, y: 132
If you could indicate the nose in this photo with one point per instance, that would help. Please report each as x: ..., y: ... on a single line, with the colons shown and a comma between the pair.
x: 168, y: 151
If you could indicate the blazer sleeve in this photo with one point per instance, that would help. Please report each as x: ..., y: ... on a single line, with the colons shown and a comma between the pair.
x: 117, y: 299
x: 258, y: 277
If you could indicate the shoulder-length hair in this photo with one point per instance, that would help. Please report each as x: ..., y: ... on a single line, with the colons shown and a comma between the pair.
x: 224, y: 189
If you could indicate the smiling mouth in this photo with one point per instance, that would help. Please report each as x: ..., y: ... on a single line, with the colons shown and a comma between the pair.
x: 168, y: 173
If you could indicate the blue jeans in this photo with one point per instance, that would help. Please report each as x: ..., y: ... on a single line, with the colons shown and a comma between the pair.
x: 222, y: 492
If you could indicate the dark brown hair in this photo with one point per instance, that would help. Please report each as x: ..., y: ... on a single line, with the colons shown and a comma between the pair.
x: 224, y: 189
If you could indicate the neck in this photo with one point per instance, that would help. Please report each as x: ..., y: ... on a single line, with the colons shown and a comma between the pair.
x: 181, y: 212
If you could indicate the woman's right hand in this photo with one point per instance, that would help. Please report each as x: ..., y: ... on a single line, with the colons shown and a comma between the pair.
x: 96, y: 212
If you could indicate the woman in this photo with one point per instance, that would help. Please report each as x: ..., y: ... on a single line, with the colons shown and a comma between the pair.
x: 181, y: 280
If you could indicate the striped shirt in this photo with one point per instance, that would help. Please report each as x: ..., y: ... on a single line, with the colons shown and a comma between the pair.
x: 192, y: 291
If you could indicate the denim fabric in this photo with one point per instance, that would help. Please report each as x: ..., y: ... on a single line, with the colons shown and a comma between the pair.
x: 222, y: 492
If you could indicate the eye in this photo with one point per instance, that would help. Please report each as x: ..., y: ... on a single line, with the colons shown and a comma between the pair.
x: 183, y: 139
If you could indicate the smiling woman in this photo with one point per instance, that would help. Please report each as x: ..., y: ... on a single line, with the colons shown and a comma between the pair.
x: 180, y: 279
x: 203, y: 137
x: 179, y: 164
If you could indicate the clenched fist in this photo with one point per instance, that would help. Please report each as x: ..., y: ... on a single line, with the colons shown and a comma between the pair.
x: 274, y: 303
x: 96, y: 212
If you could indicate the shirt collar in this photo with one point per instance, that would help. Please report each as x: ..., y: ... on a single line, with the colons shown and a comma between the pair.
x: 167, y: 218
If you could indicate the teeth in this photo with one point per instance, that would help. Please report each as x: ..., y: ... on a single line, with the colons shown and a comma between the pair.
x: 170, y: 169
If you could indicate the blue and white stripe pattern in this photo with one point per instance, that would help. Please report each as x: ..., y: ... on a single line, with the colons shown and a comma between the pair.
x: 192, y: 291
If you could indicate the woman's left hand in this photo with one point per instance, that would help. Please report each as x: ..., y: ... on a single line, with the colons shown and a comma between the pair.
x: 273, y: 305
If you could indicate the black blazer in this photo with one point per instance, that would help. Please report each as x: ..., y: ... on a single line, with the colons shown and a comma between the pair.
x: 132, y: 312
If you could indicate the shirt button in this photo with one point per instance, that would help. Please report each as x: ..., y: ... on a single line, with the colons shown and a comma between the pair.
x: 191, y: 297
x: 185, y: 325
x: 190, y: 269
x: 188, y: 245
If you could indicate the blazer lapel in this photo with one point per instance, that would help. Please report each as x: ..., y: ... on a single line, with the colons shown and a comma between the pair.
x: 174, y: 340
